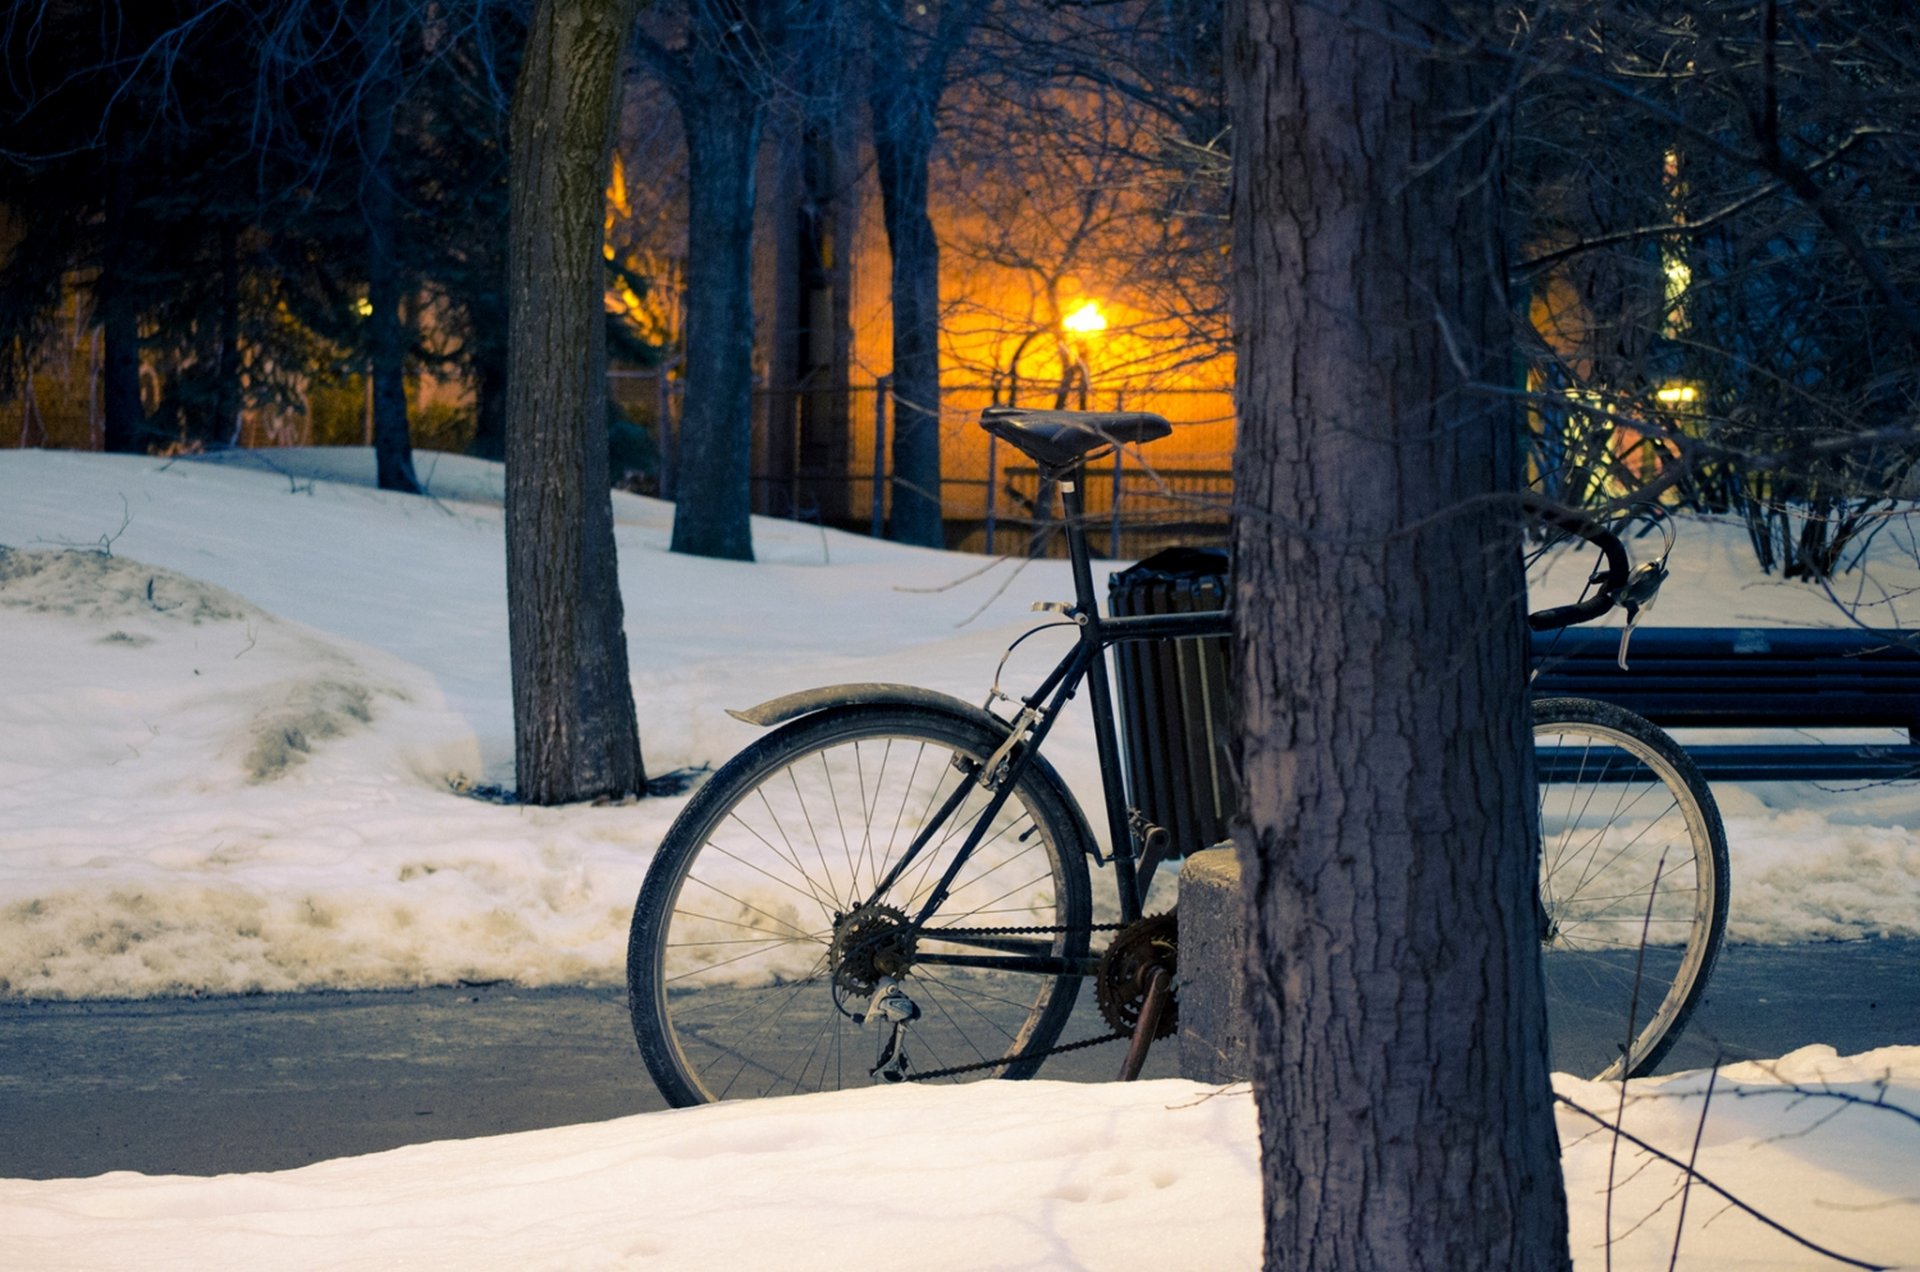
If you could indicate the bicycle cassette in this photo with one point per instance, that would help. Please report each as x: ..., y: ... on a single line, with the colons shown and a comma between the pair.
x: 873, y: 942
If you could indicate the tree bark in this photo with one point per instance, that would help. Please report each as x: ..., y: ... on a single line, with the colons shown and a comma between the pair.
x: 124, y: 419
x: 489, y: 401
x: 903, y: 98
x: 712, y: 492
x: 225, y: 428
x: 386, y: 332
x: 575, y: 735
x: 807, y: 420
x: 903, y: 129
x: 1393, y: 976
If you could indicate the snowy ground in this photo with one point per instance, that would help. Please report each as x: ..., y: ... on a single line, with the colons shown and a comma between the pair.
x: 240, y: 702
x: 230, y: 752
x: 1041, y: 1175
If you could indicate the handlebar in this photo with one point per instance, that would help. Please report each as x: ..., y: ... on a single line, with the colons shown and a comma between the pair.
x: 1611, y: 581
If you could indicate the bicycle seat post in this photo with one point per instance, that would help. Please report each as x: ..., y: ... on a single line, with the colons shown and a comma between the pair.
x: 1073, y: 505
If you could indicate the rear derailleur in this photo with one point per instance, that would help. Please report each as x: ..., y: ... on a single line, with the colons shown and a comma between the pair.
x: 872, y: 949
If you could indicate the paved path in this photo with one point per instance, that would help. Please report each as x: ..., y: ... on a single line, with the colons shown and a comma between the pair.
x: 276, y: 1081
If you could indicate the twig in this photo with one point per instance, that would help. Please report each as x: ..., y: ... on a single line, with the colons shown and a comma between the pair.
x: 1808, y: 1093
x: 997, y: 592
x: 104, y: 544
x: 1731, y: 1200
x: 1693, y: 1155
x: 1626, y: 1054
x: 1238, y: 1087
x: 968, y: 577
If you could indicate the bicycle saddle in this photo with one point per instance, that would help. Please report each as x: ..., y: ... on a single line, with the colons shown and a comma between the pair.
x: 1060, y: 439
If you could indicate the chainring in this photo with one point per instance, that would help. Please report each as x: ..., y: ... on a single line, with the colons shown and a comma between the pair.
x: 873, y: 942
x: 1120, y: 986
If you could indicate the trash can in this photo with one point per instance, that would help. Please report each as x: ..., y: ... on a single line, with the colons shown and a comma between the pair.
x: 1175, y: 700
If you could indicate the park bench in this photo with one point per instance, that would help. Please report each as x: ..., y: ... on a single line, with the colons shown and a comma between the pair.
x: 1753, y: 678
x: 1174, y: 700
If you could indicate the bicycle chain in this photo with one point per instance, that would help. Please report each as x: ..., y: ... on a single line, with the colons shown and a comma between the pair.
x: 1018, y: 931
x: 954, y: 1070
x: 994, y: 1064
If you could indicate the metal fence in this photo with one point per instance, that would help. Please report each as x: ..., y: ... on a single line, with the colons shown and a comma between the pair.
x: 814, y: 461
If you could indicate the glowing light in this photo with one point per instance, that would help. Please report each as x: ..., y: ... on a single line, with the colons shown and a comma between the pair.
x: 1678, y: 394
x: 363, y: 307
x: 1679, y: 277
x: 1085, y: 320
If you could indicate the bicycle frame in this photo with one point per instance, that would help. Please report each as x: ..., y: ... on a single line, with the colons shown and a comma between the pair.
x: 758, y: 991
x: 1086, y: 661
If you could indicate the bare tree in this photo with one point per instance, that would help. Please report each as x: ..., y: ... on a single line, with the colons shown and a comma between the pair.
x: 912, y: 60
x: 386, y: 342
x: 1089, y: 148
x: 575, y: 735
x: 1393, y: 974
x: 1716, y: 206
x: 722, y: 73
x: 238, y: 187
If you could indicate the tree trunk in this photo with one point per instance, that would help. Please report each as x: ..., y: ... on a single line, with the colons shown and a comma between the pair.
x: 226, y: 386
x: 1393, y: 975
x: 575, y: 735
x: 712, y: 491
x: 386, y: 332
x: 489, y: 401
x: 124, y: 419
x: 902, y: 101
x: 387, y: 363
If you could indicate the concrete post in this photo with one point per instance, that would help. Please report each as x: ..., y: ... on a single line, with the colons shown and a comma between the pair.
x: 1214, y: 1041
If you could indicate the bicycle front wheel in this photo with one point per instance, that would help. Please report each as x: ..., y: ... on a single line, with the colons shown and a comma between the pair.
x: 777, y: 910
x: 1633, y: 885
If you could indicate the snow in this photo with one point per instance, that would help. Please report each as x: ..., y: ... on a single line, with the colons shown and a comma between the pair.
x: 245, y: 704
x: 230, y: 754
x: 1043, y: 1175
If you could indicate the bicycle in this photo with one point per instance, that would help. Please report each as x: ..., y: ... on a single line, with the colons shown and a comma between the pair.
x: 892, y: 884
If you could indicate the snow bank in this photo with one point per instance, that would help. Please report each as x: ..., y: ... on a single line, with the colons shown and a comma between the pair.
x: 240, y: 701
x: 998, y: 1175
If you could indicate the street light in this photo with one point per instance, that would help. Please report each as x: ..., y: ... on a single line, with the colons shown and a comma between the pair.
x: 1085, y: 320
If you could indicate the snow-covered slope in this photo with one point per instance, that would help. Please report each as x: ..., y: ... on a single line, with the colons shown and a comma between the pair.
x: 240, y: 699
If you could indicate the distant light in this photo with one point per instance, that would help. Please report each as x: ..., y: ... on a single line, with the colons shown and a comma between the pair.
x: 1679, y: 394
x: 1679, y: 275
x: 1085, y: 320
x: 1679, y: 281
x: 363, y: 307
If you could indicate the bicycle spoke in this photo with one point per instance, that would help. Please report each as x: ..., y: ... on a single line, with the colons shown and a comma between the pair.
x: 761, y: 1006
x: 1631, y: 886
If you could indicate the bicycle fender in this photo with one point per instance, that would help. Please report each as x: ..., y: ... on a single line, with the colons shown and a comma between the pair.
x: 794, y: 705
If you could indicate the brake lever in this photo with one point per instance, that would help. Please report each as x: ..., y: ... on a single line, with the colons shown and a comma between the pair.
x: 1637, y: 596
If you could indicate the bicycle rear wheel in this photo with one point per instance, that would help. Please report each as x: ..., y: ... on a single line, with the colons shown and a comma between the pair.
x: 1633, y: 885
x: 762, y: 930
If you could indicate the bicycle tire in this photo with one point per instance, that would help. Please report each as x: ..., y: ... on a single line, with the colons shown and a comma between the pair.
x: 744, y: 968
x: 1633, y: 886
